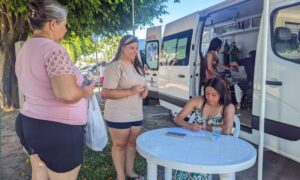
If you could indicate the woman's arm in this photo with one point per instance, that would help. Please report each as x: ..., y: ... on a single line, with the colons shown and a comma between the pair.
x: 223, y: 66
x: 121, y: 93
x: 234, y: 66
x: 228, y: 119
x: 66, y: 90
x: 187, y: 109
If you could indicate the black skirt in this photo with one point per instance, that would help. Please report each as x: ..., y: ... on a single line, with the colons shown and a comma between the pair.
x: 59, y: 146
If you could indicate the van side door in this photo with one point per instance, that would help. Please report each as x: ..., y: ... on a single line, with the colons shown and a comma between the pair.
x: 152, y: 53
x: 283, y: 72
x: 174, y: 71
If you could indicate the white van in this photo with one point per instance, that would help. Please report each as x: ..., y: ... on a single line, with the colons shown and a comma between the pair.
x: 153, y: 43
x: 186, y: 40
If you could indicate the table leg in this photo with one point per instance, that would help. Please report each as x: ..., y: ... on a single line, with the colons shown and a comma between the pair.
x: 151, y: 171
x: 229, y: 176
x: 168, y: 173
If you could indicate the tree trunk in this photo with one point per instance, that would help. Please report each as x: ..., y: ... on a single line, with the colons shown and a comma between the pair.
x: 13, y: 29
x: 9, y: 89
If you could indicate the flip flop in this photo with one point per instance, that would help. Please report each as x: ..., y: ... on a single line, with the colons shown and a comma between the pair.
x: 138, y: 177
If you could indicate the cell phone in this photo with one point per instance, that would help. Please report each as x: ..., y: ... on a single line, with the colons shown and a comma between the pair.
x: 175, y: 134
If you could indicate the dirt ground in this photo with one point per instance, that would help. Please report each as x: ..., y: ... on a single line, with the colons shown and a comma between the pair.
x: 14, y: 162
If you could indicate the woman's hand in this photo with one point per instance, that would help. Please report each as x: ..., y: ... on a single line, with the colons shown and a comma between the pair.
x: 195, y: 127
x: 136, y: 89
x: 234, y: 66
x: 144, y: 94
x: 87, y: 91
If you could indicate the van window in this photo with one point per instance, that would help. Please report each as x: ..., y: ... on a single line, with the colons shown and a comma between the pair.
x: 176, y: 48
x: 206, y: 38
x: 152, y: 54
x: 286, y: 32
x: 168, y: 51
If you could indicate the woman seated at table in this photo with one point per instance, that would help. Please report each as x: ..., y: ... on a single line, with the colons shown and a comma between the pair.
x: 213, y: 109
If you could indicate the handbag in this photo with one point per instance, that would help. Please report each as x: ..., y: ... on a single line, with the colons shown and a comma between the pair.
x: 95, y: 130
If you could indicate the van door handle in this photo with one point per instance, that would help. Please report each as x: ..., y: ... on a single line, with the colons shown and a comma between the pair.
x: 274, y: 83
x: 154, y: 74
x: 180, y: 75
x: 147, y: 73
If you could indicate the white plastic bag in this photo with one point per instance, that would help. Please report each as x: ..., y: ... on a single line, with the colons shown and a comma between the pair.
x: 95, y: 130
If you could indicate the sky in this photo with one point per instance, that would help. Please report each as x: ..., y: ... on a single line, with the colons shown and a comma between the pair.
x: 178, y: 10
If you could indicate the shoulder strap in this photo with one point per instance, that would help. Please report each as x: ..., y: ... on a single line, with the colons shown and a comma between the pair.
x: 203, y: 104
x: 221, y: 109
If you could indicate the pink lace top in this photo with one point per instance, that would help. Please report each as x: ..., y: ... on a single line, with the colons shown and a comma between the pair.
x: 38, y: 60
x: 59, y: 63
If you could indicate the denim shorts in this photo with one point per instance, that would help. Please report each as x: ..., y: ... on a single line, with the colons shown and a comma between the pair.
x: 123, y: 125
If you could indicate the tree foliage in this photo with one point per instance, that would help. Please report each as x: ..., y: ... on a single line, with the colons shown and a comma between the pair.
x: 107, y: 46
x: 103, y: 17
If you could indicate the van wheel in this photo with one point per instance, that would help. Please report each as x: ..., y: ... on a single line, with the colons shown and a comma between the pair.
x: 146, y: 101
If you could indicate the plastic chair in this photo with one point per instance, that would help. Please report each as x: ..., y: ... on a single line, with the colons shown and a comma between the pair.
x: 237, y: 128
x: 236, y: 120
x: 192, y: 118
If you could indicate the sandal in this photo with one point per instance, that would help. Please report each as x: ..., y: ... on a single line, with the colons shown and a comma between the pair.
x: 138, y: 177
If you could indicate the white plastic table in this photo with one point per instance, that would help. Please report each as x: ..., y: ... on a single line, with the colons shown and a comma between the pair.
x: 199, y: 154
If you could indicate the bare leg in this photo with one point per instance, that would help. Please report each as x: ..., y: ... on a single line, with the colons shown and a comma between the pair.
x: 41, y: 172
x: 119, y: 139
x: 39, y: 169
x: 131, y: 150
x: 70, y: 175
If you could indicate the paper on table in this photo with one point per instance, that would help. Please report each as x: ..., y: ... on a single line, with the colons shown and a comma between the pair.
x: 186, y: 131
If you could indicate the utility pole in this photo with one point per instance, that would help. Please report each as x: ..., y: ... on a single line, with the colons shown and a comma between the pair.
x: 132, y: 5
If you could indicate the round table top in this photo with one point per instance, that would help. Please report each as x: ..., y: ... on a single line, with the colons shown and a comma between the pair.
x: 200, y: 154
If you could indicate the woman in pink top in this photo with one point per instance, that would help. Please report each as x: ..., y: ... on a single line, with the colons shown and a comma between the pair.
x: 50, y: 123
x: 124, y: 91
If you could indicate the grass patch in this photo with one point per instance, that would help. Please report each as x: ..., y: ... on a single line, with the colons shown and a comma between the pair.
x: 99, y: 165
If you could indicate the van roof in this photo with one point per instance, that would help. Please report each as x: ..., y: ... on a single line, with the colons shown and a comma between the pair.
x: 221, y: 5
x: 194, y: 17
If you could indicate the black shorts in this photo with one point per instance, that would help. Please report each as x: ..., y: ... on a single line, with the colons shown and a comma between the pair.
x: 59, y: 146
x: 123, y: 125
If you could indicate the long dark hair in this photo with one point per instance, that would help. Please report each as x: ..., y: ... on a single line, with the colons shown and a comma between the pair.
x: 126, y: 40
x: 215, y: 44
x: 220, y: 86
